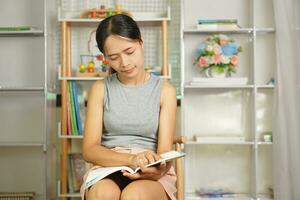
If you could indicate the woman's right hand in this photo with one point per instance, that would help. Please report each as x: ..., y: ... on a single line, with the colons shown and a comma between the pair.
x: 144, y: 158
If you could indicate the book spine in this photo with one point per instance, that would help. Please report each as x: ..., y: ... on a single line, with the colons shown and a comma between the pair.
x: 72, y: 108
x: 77, y: 109
x: 70, y: 174
x: 69, y: 130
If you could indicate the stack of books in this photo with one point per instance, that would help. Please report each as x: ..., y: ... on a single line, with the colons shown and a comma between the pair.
x: 17, y: 195
x: 217, y: 24
x: 77, y: 167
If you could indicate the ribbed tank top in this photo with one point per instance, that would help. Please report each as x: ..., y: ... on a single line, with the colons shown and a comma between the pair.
x: 131, y: 113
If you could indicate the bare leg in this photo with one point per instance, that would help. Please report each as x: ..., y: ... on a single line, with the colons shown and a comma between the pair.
x: 105, y: 189
x: 144, y: 190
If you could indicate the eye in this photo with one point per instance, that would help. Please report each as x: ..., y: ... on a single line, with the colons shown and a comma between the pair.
x: 130, y: 51
x: 113, y: 57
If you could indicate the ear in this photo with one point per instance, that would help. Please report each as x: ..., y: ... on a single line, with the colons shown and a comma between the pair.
x: 142, y: 42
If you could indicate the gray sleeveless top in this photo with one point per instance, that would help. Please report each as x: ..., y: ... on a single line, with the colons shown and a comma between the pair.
x: 131, y: 113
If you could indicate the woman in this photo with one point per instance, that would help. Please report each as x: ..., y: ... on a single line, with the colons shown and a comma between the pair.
x: 130, y: 119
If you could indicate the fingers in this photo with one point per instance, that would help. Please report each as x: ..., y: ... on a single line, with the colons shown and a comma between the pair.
x: 151, y: 157
x: 145, y: 158
x: 131, y: 176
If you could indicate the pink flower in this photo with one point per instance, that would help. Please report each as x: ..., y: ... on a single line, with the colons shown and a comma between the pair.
x: 202, y: 62
x: 216, y: 59
x: 234, y: 60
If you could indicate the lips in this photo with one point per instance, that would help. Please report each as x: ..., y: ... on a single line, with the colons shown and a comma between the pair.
x: 128, y: 71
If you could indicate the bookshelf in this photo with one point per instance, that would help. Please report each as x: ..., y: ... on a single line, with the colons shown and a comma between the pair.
x: 25, y: 149
x: 73, y: 33
x: 242, y: 167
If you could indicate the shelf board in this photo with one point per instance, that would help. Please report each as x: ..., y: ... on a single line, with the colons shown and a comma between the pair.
x: 70, y: 136
x: 265, y: 30
x: 76, y: 78
x: 219, y: 143
x: 265, y: 86
x: 233, y: 31
x: 59, y: 135
x: 189, y: 86
x: 265, y: 143
x: 264, y: 197
x: 20, y: 89
x: 73, y: 78
x: 137, y: 16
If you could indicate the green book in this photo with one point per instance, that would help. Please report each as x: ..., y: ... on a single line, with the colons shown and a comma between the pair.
x: 16, y: 28
x: 72, y: 110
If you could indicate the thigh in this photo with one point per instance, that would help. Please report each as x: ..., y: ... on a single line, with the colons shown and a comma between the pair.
x: 144, y: 190
x: 104, y: 189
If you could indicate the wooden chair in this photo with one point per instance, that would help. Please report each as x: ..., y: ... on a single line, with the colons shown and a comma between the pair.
x: 178, y: 141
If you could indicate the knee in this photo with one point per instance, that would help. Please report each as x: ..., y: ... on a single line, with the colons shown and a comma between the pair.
x: 133, y: 192
x: 102, y: 192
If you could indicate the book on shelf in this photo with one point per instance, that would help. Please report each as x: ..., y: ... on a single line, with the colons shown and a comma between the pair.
x: 215, y: 193
x: 17, y: 195
x: 100, y: 173
x: 77, y: 109
x: 217, y: 26
x: 72, y: 109
x: 77, y: 167
x: 69, y: 127
x: 213, y: 24
x: 16, y: 28
x: 214, y: 21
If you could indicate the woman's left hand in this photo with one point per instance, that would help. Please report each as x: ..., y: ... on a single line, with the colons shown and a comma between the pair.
x: 151, y: 173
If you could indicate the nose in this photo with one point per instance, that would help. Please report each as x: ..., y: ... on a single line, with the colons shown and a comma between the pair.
x: 124, y: 61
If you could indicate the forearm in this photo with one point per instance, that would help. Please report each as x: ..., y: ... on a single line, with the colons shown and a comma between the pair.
x: 103, y: 156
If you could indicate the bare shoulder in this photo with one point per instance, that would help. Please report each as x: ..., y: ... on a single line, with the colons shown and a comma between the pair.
x: 168, y: 91
x: 97, y: 89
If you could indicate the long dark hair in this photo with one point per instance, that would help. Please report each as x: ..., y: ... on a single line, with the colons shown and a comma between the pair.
x: 119, y: 24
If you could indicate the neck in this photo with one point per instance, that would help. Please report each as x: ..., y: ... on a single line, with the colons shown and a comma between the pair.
x: 139, y: 79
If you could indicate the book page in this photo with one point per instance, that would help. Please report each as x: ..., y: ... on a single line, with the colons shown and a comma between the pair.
x: 170, y: 155
x: 101, y: 172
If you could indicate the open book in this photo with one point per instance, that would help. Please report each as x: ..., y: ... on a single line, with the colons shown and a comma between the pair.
x: 102, y: 172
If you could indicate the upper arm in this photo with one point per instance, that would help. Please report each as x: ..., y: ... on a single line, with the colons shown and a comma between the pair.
x: 167, y: 117
x: 94, y: 116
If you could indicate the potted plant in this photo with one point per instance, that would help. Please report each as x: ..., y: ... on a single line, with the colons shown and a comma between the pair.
x: 217, y: 56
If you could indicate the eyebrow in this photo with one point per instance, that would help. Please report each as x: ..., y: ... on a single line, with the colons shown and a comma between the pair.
x: 121, y: 51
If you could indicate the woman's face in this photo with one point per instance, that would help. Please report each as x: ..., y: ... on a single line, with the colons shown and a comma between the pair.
x: 124, y: 55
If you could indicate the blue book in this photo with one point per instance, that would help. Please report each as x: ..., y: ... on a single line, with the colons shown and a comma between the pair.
x: 77, y: 111
x: 217, y: 21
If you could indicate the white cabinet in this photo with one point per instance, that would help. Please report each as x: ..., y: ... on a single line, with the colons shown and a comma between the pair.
x: 229, y: 121
x: 23, y: 98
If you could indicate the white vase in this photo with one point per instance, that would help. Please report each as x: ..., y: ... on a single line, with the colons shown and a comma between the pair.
x: 215, y: 73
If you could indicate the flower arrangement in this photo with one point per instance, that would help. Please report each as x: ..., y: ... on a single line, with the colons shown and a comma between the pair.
x: 218, y: 53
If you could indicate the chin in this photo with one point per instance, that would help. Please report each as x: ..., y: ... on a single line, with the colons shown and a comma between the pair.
x: 132, y: 73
